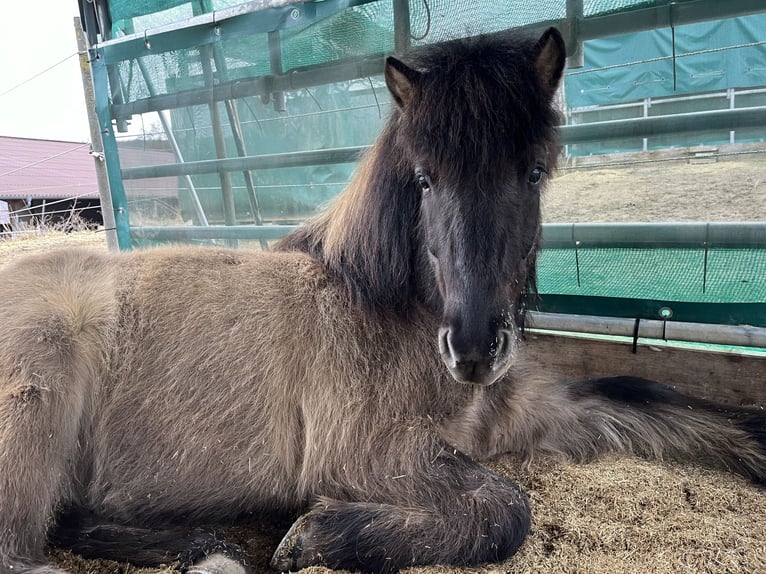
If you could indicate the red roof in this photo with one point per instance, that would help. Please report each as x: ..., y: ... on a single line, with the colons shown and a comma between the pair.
x: 46, y: 169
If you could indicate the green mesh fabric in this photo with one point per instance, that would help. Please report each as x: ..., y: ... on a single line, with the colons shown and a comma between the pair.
x: 445, y: 14
x: 674, y: 274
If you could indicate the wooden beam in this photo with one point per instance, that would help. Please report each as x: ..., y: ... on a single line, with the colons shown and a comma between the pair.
x: 729, y: 377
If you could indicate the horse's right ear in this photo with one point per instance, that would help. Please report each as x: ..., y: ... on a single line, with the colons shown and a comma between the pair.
x: 399, y: 79
x: 550, y: 60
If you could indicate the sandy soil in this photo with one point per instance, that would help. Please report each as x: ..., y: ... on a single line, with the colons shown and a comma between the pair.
x: 731, y: 189
x: 617, y: 515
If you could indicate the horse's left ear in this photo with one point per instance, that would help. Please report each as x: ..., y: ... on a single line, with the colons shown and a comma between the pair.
x: 550, y: 59
x: 399, y: 79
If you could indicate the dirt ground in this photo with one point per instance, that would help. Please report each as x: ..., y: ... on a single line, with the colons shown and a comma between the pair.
x: 620, y: 515
x: 730, y: 189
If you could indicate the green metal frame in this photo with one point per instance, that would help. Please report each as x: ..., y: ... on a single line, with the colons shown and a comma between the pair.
x: 741, y: 235
x: 719, y: 313
x: 690, y: 235
x: 111, y: 154
x: 227, y: 24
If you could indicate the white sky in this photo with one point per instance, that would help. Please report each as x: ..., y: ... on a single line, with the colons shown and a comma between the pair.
x: 34, y: 36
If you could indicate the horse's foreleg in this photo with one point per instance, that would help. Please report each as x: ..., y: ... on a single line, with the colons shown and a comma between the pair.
x: 456, y: 513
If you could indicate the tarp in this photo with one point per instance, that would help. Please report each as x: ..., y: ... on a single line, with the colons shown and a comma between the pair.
x: 641, y: 65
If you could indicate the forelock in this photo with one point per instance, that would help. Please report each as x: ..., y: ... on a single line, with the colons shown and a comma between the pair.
x: 477, y: 107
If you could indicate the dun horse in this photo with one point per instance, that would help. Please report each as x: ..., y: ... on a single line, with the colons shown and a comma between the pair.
x: 353, y: 377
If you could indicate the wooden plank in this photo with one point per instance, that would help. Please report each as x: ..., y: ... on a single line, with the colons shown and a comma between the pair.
x: 728, y: 377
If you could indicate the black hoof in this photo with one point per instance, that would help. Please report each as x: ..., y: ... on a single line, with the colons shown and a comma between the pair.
x: 295, y: 551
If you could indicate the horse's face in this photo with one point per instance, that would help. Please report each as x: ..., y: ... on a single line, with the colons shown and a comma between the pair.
x: 479, y: 166
x: 480, y: 242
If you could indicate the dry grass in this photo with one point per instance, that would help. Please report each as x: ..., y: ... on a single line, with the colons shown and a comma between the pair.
x: 11, y: 249
x: 621, y: 515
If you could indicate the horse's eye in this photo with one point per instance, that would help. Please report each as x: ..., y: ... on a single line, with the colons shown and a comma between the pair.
x: 537, y: 175
x: 423, y: 183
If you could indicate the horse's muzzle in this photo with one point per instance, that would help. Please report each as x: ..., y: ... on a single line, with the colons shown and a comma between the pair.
x: 471, y: 365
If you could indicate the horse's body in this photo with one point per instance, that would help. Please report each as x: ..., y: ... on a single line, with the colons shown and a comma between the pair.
x: 183, y: 386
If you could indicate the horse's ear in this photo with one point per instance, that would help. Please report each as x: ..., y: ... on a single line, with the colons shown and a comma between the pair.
x: 399, y: 79
x: 549, y: 61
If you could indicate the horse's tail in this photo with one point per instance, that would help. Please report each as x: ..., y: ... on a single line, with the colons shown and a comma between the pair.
x: 582, y: 420
x: 628, y: 414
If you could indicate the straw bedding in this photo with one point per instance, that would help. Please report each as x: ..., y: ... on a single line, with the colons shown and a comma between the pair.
x: 616, y: 515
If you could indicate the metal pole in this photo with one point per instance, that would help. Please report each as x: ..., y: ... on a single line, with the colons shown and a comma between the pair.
x: 662, y: 125
x: 198, y: 210
x: 227, y: 190
x: 575, y: 58
x: 275, y: 60
x: 402, y: 32
x: 105, y: 24
x: 738, y: 335
x: 255, y: 162
x: 96, y: 146
x: 260, y: 86
x: 646, y: 115
x: 732, y: 133
x: 239, y: 140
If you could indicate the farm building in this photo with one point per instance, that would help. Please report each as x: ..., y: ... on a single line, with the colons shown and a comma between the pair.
x: 44, y: 180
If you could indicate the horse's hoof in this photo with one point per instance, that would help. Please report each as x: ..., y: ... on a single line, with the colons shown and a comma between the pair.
x: 296, y: 551
x: 218, y: 564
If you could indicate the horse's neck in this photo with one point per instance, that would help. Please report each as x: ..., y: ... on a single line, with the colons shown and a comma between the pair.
x: 369, y: 237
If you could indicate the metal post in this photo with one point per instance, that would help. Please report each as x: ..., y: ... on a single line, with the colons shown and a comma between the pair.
x: 575, y: 58
x: 275, y: 59
x: 227, y: 191
x: 647, y: 105
x: 732, y: 133
x: 111, y: 155
x: 96, y: 146
x: 105, y: 24
x: 402, y: 32
x: 239, y: 141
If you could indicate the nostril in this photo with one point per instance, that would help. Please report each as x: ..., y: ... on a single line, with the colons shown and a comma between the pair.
x: 445, y: 347
x: 502, y: 344
x: 504, y: 350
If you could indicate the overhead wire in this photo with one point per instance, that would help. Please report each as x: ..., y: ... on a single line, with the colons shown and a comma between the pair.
x: 38, y: 74
x: 39, y: 161
x: 49, y: 203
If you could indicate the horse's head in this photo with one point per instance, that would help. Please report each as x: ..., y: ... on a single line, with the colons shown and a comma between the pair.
x: 478, y: 132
